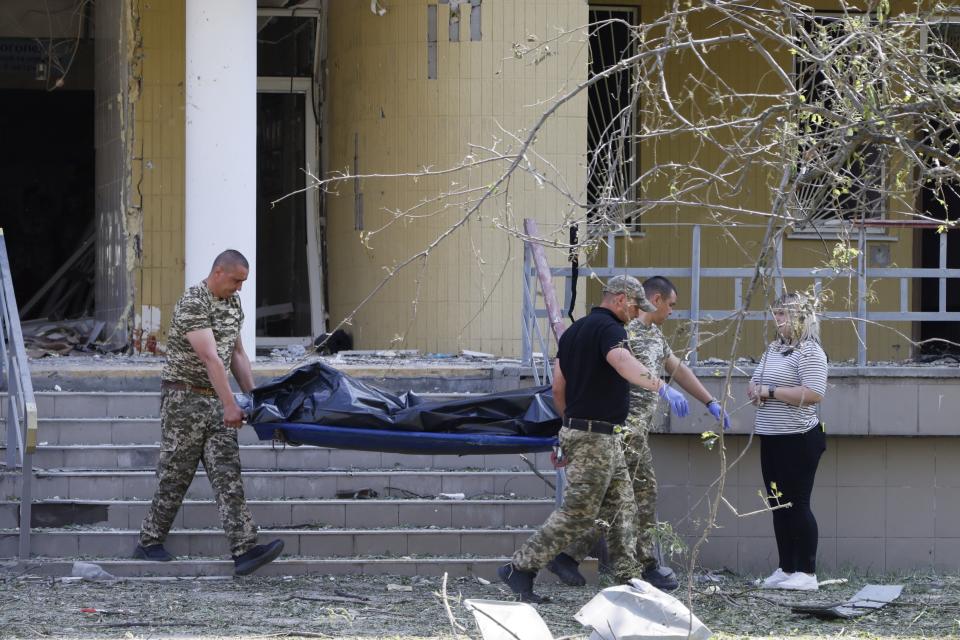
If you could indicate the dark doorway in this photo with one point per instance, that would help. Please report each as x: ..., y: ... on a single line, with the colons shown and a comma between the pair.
x: 47, y: 195
x: 283, y: 292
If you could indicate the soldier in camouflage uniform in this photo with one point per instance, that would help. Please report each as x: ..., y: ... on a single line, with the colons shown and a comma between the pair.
x: 199, y: 416
x: 590, y: 391
x: 649, y: 346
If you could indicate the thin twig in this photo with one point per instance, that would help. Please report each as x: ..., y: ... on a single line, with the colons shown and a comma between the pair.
x: 537, y: 472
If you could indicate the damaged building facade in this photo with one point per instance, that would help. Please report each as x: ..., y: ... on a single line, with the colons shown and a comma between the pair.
x: 198, y: 116
x: 151, y: 134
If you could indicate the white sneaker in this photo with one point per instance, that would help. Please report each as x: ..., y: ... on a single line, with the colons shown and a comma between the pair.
x: 800, y: 581
x: 774, y: 580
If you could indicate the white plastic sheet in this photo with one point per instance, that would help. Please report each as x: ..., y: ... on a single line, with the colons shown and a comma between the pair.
x: 508, y: 620
x: 639, y: 611
x: 90, y: 571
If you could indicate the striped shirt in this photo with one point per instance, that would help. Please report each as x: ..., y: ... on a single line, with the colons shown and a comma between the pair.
x: 806, y: 366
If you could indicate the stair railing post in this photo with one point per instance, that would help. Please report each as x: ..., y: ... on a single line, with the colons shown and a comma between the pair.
x: 527, y: 313
x: 26, y: 505
x: 12, y: 439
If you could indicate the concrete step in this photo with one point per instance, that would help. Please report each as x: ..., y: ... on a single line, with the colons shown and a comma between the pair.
x: 287, y: 514
x: 272, y: 485
x: 93, y: 404
x: 101, y: 430
x: 329, y: 543
x: 267, y: 457
x: 264, y: 456
x: 288, y: 565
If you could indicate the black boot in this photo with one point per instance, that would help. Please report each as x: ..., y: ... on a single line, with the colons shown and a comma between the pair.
x: 661, y: 577
x: 248, y: 562
x: 521, y: 583
x: 153, y: 552
x: 567, y: 569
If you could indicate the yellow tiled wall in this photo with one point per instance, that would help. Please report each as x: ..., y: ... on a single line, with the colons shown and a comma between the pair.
x: 667, y: 234
x: 158, y: 162
x: 466, y: 294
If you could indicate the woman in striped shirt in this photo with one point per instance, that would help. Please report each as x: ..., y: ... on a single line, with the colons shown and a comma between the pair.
x: 786, y: 387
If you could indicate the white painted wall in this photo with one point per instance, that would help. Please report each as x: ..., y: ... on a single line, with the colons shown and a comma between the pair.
x: 221, y: 141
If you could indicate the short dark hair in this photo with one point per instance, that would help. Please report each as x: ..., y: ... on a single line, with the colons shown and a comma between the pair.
x: 658, y: 284
x: 230, y: 258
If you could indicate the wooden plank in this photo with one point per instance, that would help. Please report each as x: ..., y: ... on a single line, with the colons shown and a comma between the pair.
x: 546, y: 280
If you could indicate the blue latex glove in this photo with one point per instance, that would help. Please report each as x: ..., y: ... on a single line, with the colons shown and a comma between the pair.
x: 678, y: 401
x: 715, y: 410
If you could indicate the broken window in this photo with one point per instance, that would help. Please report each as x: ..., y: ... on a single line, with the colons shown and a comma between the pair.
x: 285, y: 46
x: 838, y: 179
x: 612, y: 153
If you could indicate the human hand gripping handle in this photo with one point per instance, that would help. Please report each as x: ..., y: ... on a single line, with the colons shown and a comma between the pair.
x: 678, y: 401
x: 715, y: 410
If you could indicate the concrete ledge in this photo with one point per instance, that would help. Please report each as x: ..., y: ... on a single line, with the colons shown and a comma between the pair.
x: 143, y: 374
x: 916, y: 402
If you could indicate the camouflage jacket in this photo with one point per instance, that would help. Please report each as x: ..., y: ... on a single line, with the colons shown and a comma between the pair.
x: 650, y: 348
x: 200, y: 309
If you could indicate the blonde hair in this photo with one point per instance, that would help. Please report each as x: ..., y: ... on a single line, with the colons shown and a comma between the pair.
x: 801, y: 311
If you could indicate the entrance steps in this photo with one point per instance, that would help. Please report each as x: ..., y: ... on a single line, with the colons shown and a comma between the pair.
x: 337, y: 511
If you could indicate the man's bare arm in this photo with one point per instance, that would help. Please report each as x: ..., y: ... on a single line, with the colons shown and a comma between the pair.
x: 240, y: 366
x: 205, y: 346
x: 631, y: 370
x: 559, y: 389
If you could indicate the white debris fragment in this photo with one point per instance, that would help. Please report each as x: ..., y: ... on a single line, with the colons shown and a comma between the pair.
x: 508, y: 620
x: 399, y: 587
x: 826, y: 583
x: 639, y: 611
x: 477, y: 354
x: 90, y: 571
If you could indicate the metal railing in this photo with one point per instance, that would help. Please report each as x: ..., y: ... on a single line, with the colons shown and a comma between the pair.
x: 21, y: 405
x: 736, y: 276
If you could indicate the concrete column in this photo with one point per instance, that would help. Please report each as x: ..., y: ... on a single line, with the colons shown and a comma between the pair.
x: 221, y: 142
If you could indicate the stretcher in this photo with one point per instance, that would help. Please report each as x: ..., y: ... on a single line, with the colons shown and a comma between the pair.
x: 392, y: 441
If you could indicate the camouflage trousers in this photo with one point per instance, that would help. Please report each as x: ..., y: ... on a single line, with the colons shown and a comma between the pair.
x: 193, y: 432
x: 598, y: 492
x: 639, y: 460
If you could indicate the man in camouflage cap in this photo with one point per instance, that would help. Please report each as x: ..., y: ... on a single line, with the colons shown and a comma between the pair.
x: 199, y: 416
x: 649, y: 346
x: 591, y: 377
x: 629, y: 286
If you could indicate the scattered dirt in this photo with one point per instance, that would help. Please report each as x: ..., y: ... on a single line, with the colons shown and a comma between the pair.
x: 345, y: 607
x: 363, y: 607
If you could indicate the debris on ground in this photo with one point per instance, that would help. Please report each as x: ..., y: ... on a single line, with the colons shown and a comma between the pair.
x: 499, y: 620
x: 90, y: 571
x: 44, y: 337
x: 289, y: 353
x: 477, y: 355
x: 639, y: 611
x: 870, y: 598
x: 359, y: 607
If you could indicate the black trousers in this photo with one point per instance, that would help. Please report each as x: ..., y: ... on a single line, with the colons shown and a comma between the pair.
x: 789, y: 462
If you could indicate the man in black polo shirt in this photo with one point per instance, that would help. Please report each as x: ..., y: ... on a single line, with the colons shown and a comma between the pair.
x: 591, y: 385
